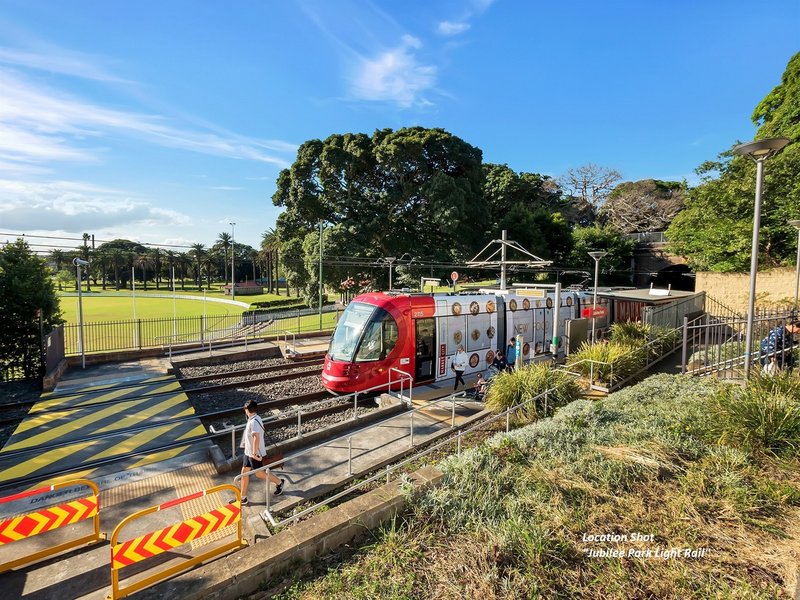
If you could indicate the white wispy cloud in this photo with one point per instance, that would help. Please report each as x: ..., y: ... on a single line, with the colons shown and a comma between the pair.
x: 40, y: 124
x: 77, y: 206
x: 448, y: 28
x: 61, y: 61
x: 395, y: 75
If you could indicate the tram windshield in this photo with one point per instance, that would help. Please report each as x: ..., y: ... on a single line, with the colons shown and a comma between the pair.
x: 364, y: 333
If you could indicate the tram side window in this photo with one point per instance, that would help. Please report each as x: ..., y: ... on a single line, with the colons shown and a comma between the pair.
x: 379, y: 339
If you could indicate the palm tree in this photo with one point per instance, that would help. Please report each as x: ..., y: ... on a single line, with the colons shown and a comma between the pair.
x: 117, y: 261
x: 85, y: 252
x: 198, y: 251
x: 224, y: 240
x: 144, y: 260
x: 184, y: 263
x: 269, y: 244
x: 210, y: 263
x: 252, y: 254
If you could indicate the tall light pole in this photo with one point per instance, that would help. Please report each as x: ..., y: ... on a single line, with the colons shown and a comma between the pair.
x: 759, y: 151
x: 796, y: 223
x: 320, y: 275
x: 233, y: 254
x: 78, y: 264
x: 390, y: 260
x: 596, y: 255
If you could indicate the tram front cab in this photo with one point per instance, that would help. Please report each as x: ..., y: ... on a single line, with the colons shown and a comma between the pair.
x: 363, y: 348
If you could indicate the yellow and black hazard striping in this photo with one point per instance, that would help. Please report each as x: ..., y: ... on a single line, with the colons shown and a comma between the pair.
x: 105, y: 393
x: 83, y: 432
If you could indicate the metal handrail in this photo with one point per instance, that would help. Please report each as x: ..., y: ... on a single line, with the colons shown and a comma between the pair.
x: 287, y: 333
x: 387, y: 471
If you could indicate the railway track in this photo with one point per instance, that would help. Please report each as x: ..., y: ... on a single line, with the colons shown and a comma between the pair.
x: 13, y: 412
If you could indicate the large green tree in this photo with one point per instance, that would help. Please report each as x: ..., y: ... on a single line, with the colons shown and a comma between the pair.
x: 25, y: 289
x: 616, y: 265
x: 714, y: 231
x: 398, y: 191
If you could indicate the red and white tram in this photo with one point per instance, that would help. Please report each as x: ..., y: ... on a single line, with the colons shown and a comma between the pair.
x: 419, y: 333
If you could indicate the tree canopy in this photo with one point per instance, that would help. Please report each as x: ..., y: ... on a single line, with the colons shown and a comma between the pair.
x: 25, y: 289
x: 646, y: 205
x: 714, y: 231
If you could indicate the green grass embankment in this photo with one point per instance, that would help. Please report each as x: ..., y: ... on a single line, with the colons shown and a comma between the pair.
x: 674, y: 488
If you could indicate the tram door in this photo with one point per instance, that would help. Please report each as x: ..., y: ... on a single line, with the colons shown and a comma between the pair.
x: 426, y: 344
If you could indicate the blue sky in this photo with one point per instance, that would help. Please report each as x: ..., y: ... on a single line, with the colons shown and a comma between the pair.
x: 164, y: 121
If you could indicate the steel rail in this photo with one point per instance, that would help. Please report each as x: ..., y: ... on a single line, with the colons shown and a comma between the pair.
x: 154, y: 424
x: 208, y: 388
x: 23, y: 481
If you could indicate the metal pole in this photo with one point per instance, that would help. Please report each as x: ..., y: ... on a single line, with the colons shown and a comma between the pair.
x: 748, y: 343
x: 233, y: 442
x: 797, y: 268
x: 594, y: 298
x: 412, y: 428
x: 350, y: 455
x: 80, y: 317
x: 503, y: 260
x: 320, y: 275
x: 174, y: 309
x: 684, y: 352
x: 233, y: 255
x: 298, y: 424
x: 133, y: 287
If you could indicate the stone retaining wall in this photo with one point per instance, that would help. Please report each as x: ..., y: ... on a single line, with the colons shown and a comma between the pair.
x: 241, y: 573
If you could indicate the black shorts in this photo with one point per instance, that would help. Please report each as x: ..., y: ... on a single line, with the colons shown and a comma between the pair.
x: 251, y: 462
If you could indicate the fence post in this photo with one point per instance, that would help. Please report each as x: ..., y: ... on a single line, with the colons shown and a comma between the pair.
x: 233, y: 442
x: 139, y: 332
x: 355, y: 405
x: 685, y: 345
x: 412, y: 428
x: 350, y: 455
x: 453, y: 416
x: 298, y: 424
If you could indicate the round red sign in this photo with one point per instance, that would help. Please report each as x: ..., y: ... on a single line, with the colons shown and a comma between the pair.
x: 454, y: 275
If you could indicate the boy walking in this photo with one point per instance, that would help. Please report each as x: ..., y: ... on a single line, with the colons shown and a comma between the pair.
x: 254, y: 450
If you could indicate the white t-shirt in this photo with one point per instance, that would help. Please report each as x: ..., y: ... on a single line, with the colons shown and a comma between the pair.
x: 460, y: 361
x: 254, y: 423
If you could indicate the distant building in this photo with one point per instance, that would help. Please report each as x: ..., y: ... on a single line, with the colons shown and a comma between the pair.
x: 244, y: 288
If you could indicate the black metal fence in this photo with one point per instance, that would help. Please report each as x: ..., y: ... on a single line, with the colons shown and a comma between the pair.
x: 112, y: 336
x: 715, y: 344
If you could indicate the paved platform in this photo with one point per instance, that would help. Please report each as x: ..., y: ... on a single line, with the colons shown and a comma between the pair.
x: 98, y: 415
x: 86, y: 573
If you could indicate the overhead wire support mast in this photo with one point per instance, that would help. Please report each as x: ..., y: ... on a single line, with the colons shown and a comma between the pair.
x: 491, y: 261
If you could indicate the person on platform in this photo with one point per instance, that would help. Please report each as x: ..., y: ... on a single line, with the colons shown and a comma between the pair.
x: 499, y: 363
x: 254, y: 450
x: 479, y: 391
x: 776, y: 348
x: 511, y: 353
x: 459, y: 366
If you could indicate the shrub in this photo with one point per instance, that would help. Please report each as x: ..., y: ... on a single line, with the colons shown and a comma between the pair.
x: 605, y: 362
x: 763, y: 416
x: 510, y: 388
x: 630, y: 332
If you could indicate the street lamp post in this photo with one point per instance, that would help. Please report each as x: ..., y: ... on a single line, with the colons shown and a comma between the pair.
x: 78, y: 264
x: 596, y: 255
x: 233, y: 254
x: 796, y: 223
x: 759, y: 151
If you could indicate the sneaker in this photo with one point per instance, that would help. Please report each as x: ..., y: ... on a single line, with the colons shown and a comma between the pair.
x: 245, y: 501
x: 279, y: 488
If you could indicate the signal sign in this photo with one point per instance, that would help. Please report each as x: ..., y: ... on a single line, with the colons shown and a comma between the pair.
x: 454, y: 275
x: 598, y: 312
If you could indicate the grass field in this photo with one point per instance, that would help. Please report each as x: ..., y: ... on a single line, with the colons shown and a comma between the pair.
x: 120, y: 308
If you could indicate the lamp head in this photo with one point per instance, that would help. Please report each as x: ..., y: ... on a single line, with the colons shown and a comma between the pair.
x: 78, y: 262
x: 597, y: 254
x: 795, y: 223
x: 761, y: 149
